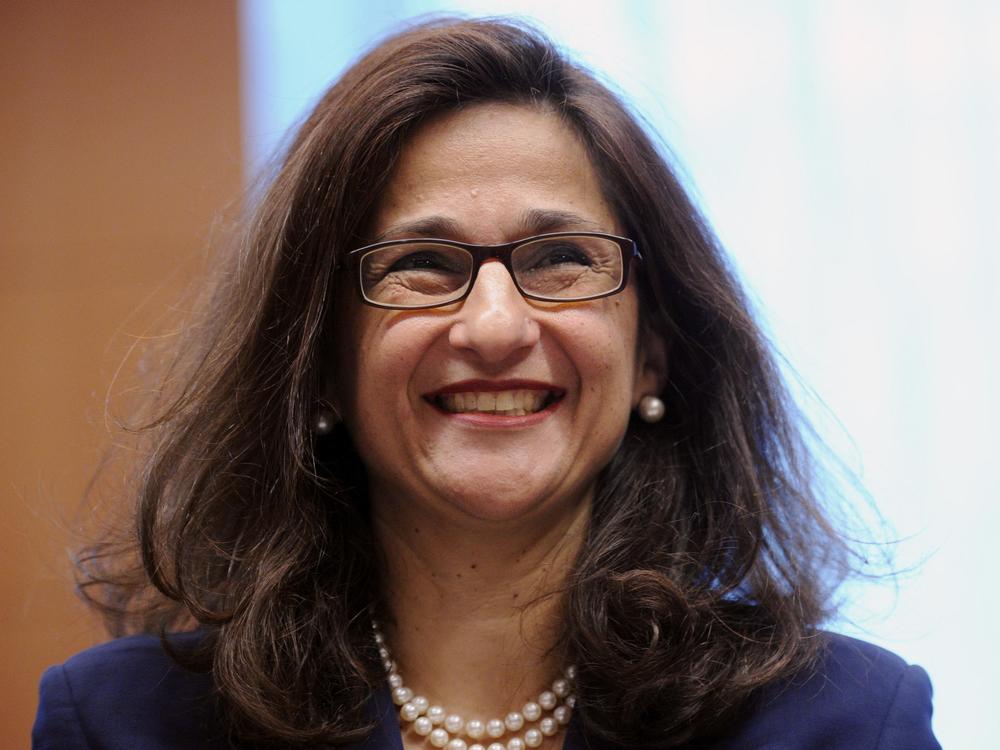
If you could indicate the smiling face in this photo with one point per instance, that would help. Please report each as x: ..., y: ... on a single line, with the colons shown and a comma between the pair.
x: 495, y: 408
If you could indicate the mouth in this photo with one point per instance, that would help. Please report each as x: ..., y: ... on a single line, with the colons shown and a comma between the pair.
x: 494, y: 399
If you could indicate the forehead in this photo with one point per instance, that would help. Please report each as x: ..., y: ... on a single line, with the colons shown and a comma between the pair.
x: 487, y: 169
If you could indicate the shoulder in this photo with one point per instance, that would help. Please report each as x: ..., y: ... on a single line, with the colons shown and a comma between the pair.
x: 125, y: 693
x: 856, y: 696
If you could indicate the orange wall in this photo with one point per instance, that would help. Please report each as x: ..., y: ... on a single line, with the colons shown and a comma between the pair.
x: 119, y: 142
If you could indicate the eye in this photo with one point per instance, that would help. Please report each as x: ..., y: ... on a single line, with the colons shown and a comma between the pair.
x: 423, y: 260
x: 559, y: 254
x: 411, y: 273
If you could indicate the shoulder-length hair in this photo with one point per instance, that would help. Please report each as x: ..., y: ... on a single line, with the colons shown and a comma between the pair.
x: 708, y: 563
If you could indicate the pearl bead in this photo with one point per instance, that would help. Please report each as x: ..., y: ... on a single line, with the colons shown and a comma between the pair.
x: 441, y: 728
x: 475, y: 728
x: 651, y: 409
x: 561, y: 688
x: 408, y: 712
x: 514, y: 721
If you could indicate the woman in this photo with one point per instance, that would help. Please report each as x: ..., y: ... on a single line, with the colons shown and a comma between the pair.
x: 478, y: 446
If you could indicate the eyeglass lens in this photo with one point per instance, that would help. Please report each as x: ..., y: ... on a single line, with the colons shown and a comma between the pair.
x: 428, y: 273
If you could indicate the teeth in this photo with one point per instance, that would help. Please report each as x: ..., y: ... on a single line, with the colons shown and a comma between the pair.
x: 506, y: 403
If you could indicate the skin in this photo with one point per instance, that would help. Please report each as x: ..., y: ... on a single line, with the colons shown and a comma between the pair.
x: 479, y: 519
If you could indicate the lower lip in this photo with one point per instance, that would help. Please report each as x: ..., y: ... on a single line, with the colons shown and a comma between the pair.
x: 500, y: 421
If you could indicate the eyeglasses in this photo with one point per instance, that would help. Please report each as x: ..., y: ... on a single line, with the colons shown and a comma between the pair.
x: 564, y: 267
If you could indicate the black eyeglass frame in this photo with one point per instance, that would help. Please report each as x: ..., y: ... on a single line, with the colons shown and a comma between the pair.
x: 503, y: 252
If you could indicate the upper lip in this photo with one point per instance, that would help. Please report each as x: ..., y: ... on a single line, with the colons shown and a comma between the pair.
x: 480, y: 386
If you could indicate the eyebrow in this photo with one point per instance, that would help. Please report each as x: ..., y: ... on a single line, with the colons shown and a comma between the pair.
x: 531, y: 221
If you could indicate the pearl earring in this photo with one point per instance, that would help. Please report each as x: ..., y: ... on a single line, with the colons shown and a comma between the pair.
x: 324, y: 420
x: 651, y: 409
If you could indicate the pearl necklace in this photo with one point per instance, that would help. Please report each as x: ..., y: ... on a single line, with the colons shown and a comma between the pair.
x: 551, y: 710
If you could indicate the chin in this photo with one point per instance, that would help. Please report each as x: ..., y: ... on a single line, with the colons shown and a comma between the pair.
x: 494, y: 508
x: 507, y: 501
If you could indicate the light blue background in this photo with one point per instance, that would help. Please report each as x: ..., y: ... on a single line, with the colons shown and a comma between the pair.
x: 848, y: 156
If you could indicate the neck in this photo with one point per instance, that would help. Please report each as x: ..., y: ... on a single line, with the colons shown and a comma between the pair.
x: 477, y: 608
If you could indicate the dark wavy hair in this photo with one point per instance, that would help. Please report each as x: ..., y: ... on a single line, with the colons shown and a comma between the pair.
x: 709, y: 562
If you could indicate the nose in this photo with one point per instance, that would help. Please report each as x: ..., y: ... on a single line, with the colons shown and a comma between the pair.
x: 495, y: 320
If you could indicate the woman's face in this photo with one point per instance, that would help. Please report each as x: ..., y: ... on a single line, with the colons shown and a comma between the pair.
x: 490, y: 174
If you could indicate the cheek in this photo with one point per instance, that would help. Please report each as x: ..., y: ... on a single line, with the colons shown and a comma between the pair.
x: 601, y: 348
x: 613, y: 348
x: 367, y: 386
x: 383, y: 353
x: 358, y: 360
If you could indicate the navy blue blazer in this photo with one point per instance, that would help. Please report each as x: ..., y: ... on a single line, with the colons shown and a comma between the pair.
x: 129, y: 695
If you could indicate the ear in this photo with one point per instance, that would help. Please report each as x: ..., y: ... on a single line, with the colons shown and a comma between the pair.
x: 651, y: 365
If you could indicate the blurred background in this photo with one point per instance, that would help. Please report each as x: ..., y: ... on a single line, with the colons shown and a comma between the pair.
x: 847, y: 154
